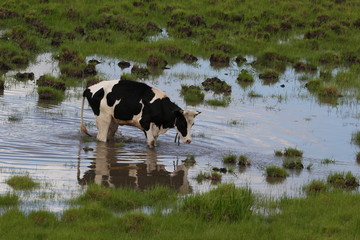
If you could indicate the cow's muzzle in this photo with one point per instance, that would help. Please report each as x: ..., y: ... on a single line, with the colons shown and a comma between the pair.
x: 188, y: 141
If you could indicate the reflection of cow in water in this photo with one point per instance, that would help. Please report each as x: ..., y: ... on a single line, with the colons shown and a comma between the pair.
x: 140, y: 171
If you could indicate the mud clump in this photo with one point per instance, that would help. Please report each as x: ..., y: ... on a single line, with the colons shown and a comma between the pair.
x: 304, y: 67
x: 5, y: 14
x: 240, y: 60
x: 219, y: 60
x: 50, y: 81
x: 4, y: 67
x: 25, y: 76
x: 140, y: 72
x: 189, y: 58
x: 124, y: 64
x: 315, y: 34
x: 90, y: 70
x: 216, y: 85
x: 153, y: 27
x: 269, y: 76
x: 156, y: 62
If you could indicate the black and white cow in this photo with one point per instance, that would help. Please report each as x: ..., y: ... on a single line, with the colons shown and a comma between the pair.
x: 121, y: 102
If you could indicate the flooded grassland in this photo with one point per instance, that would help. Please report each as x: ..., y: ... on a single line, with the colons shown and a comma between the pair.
x: 42, y: 138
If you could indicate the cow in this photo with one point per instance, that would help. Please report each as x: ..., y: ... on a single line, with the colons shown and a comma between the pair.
x: 124, y: 102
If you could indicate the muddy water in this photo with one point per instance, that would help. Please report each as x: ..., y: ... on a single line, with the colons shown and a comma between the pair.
x: 45, y: 141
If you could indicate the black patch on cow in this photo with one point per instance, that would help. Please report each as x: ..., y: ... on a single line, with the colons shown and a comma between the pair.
x: 181, y: 123
x: 94, y: 99
x: 130, y: 94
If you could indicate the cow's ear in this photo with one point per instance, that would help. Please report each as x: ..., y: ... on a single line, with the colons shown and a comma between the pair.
x: 179, y: 113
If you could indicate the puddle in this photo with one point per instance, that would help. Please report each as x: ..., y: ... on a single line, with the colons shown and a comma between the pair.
x: 46, y: 141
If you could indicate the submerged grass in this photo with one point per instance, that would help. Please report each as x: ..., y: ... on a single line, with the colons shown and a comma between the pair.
x: 22, y: 182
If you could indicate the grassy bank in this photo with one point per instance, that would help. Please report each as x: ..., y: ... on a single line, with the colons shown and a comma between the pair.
x: 324, y: 31
x: 226, y: 212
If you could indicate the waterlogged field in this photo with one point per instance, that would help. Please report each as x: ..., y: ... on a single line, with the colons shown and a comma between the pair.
x: 275, y: 151
x: 42, y: 138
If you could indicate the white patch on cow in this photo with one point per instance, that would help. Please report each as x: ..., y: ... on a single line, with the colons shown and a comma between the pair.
x: 158, y: 94
x: 106, y: 85
x: 153, y: 133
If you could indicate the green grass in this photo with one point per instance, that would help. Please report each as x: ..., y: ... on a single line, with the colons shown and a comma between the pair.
x: 192, y: 94
x: 293, y: 163
x: 230, y: 159
x: 22, y: 182
x: 276, y: 172
x: 219, y: 102
x: 293, y: 152
x: 356, y: 138
x: 316, y: 187
x: 225, y: 203
x: 50, y: 93
x: 224, y: 212
x: 245, y: 77
x: 2, y: 83
x: 343, y: 180
x: 244, y: 161
x: 327, y: 161
x: 125, y: 199
x: 51, y: 81
x: 15, y: 118
x: 213, y: 176
x: 9, y: 199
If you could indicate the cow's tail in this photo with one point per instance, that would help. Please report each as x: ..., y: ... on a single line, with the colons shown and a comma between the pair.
x: 82, y: 125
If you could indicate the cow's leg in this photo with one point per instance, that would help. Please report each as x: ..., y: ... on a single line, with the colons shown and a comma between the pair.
x: 103, y: 122
x: 112, y: 129
x: 150, y: 139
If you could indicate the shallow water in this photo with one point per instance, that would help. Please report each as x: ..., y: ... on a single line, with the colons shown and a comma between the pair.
x: 47, y: 144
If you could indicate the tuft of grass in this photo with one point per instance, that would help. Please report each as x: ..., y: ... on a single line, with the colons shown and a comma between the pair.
x: 327, y: 161
x: 293, y: 152
x: 213, y: 176
x: 192, y: 94
x: 356, y: 138
x: 225, y: 203
x: 276, y: 172
x: 127, y: 76
x: 278, y: 153
x: 342, y: 180
x: 190, y: 160
x: 230, y: 159
x: 14, y: 118
x: 43, y: 218
x: 245, y: 76
x: 51, y: 81
x: 315, y: 187
x: 358, y: 157
x: 253, y: 94
x: 22, y: 183
x: 50, y: 93
x: 293, y: 163
x: 9, y: 199
x: 2, y: 83
x: 244, y: 161
x: 219, y: 102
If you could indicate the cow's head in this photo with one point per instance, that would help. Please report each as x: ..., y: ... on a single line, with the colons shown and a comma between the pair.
x: 184, y: 120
